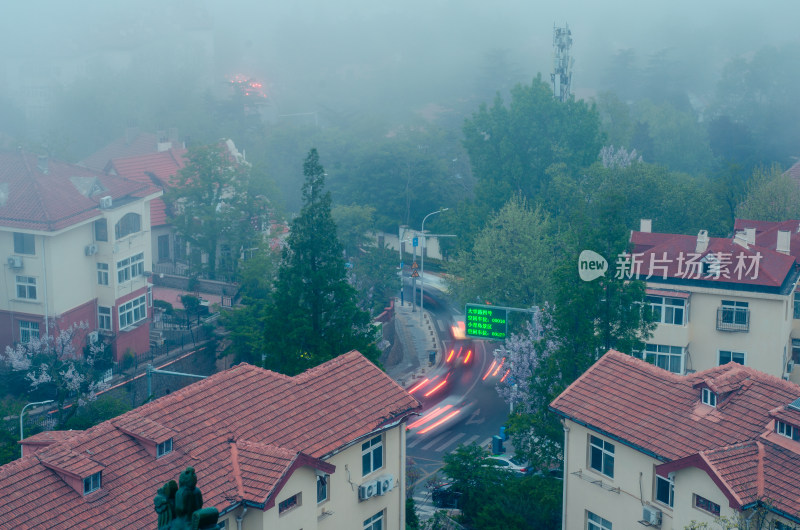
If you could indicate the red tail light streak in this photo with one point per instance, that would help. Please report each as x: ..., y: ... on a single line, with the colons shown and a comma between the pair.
x: 467, y: 358
x: 508, y: 371
x: 437, y: 387
x: 500, y: 366
x: 419, y: 385
x: 434, y: 425
x: 489, y: 371
x: 450, y: 357
x: 438, y: 411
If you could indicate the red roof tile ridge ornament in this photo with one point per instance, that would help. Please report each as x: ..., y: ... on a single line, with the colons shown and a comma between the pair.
x: 760, y: 480
x: 237, y: 470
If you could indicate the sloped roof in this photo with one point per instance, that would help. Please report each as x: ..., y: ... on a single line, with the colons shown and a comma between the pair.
x: 158, y: 169
x: 767, y: 233
x: 132, y: 144
x: 660, y: 413
x: 50, y: 195
x: 665, y: 258
x: 244, y: 431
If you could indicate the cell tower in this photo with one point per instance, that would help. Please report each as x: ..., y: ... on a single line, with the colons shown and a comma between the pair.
x: 562, y: 62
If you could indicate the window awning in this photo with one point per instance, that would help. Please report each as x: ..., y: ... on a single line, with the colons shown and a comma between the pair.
x: 667, y: 292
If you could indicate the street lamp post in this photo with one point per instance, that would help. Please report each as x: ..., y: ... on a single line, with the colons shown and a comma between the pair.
x: 422, y: 264
x: 21, y: 436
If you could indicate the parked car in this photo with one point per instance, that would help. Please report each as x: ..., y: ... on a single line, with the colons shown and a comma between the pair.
x: 443, y: 497
x: 508, y: 463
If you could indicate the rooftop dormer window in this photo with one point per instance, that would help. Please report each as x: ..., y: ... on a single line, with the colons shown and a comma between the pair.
x: 708, y: 397
x: 787, y: 430
x: 164, y: 448
x: 92, y: 482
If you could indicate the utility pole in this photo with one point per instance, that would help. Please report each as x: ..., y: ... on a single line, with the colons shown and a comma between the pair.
x: 422, y: 259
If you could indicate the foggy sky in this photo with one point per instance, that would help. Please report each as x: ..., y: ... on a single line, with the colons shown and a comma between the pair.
x: 314, y: 46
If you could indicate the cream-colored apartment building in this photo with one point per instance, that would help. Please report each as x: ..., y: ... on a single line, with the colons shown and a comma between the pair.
x: 719, y: 300
x: 645, y: 447
x: 321, y: 450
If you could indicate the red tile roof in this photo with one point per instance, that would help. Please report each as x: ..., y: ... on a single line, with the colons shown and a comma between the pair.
x: 660, y: 413
x: 154, y: 168
x: 766, y: 233
x: 133, y: 144
x: 665, y: 258
x: 244, y: 430
x: 52, y: 195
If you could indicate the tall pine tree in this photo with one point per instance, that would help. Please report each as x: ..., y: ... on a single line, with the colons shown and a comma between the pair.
x: 313, y: 315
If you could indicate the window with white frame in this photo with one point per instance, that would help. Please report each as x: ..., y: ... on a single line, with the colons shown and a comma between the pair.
x: 24, y: 243
x: 375, y: 522
x: 796, y: 313
x: 28, y: 331
x: 667, y: 357
x: 601, y: 456
x: 92, y: 482
x: 129, y: 224
x: 787, y: 430
x: 104, y: 318
x: 730, y: 356
x: 735, y: 312
x: 667, y: 310
x: 26, y: 287
x: 132, y: 312
x: 595, y: 522
x: 322, y: 487
x: 164, y: 448
x: 709, y: 397
x: 102, y: 273
x: 130, y: 268
x: 371, y: 455
x: 665, y: 490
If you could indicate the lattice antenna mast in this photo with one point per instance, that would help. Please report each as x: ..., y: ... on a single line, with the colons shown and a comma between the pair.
x: 562, y: 62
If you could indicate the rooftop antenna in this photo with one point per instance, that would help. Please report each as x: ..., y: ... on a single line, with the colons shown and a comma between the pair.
x: 562, y: 62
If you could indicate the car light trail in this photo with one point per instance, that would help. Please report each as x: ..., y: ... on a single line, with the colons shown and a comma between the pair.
x: 498, y: 367
x: 437, y: 387
x: 490, y: 370
x: 466, y: 359
x: 434, y: 425
x: 450, y: 357
x: 431, y: 415
x: 505, y: 375
x: 419, y: 385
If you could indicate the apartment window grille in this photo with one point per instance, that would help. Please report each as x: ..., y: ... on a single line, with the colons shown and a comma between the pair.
x: 733, y: 316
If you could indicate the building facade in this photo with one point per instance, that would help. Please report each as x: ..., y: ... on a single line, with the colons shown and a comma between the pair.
x: 718, y: 300
x: 646, y: 447
x: 75, y: 248
x: 324, y: 449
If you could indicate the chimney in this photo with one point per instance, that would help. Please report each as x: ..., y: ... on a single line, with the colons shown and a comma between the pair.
x: 751, y: 235
x: 702, y: 241
x: 784, y: 239
x: 645, y: 225
x: 740, y: 238
x: 42, y: 162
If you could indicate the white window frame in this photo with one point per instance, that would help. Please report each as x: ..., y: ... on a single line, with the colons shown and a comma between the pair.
x: 595, y: 522
x: 102, y: 274
x: 26, y: 287
x: 28, y: 331
x: 132, y: 312
x: 164, y: 448
x: 104, y: 321
x: 369, y: 450
x: 605, y: 450
x: 375, y: 522
x: 92, y: 482
x: 666, y: 308
x: 708, y: 397
x: 323, y: 488
x: 731, y: 354
x: 671, y: 495
x: 656, y: 353
x: 796, y: 308
x: 131, y: 267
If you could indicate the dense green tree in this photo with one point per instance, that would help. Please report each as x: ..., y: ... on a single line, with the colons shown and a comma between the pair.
x: 354, y: 225
x: 211, y: 207
x: 772, y: 195
x: 313, y: 314
x: 374, y: 274
x: 511, y: 146
x: 510, y: 261
x: 496, y: 499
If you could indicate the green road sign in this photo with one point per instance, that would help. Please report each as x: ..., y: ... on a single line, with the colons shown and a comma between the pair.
x: 486, y: 322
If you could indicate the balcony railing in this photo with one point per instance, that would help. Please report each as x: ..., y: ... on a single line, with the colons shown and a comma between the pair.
x: 733, y: 319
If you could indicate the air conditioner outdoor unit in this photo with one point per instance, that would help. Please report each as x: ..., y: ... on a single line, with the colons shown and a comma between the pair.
x: 105, y: 202
x: 651, y: 515
x: 385, y: 484
x: 367, y: 490
x: 15, y: 262
x: 90, y: 250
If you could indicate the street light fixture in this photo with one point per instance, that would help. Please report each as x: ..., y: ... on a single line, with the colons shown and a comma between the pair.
x: 21, y: 437
x: 422, y: 264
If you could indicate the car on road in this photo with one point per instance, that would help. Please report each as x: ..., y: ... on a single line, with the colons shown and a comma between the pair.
x: 443, y: 497
x: 508, y: 463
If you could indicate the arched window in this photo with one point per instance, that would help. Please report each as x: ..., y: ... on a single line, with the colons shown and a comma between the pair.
x: 129, y: 224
